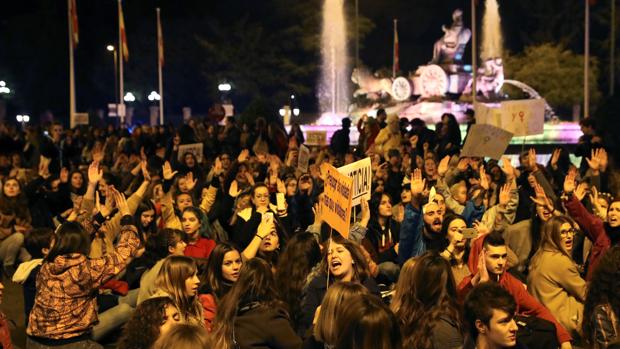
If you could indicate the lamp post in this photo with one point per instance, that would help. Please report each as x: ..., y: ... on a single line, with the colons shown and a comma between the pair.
x: 130, y: 98
x: 112, y: 49
x: 23, y: 119
x: 4, y: 91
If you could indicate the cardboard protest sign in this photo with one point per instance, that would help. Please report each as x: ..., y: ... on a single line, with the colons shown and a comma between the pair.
x: 523, y: 117
x: 303, y: 158
x: 336, y: 199
x: 361, y: 174
x: 486, y: 141
x: 316, y: 137
x: 488, y: 115
x: 79, y: 119
x: 194, y: 148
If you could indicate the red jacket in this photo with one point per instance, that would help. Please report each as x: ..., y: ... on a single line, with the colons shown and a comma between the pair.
x: 594, y: 229
x: 209, y: 308
x: 526, y: 304
x: 201, y: 249
x: 5, y: 333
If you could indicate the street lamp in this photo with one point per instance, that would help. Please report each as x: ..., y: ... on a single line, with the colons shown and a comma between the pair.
x: 154, y: 96
x: 112, y: 49
x: 296, y: 111
x: 129, y: 97
x: 3, y: 88
x: 23, y: 119
x: 224, y: 87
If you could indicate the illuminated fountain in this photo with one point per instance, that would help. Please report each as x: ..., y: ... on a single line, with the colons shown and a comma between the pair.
x: 333, y: 93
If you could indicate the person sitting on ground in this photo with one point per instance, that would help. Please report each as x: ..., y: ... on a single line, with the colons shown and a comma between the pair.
x: 489, y: 318
x: 184, y: 336
x: 152, y: 319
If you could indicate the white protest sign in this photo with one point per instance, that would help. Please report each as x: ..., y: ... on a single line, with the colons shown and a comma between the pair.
x: 523, y: 117
x: 486, y: 140
x: 361, y: 174
x: 194, y: 148
x: 79, y: 119
x: 303, y: 158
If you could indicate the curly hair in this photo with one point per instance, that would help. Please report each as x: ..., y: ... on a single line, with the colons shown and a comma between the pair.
x: 432, y: 296
x: 142, y: 330
x: 604, y: 289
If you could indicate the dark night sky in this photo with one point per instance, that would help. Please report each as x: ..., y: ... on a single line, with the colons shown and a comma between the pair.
x: 33, y: 43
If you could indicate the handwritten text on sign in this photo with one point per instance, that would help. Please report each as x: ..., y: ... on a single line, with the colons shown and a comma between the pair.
x: 336, y: 201
x: 361, y: 174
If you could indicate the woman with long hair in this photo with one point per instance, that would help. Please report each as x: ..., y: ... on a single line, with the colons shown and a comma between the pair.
x: 343, y: 260
x: 223, y: 270
x: 146, y: 218
x: 178, y: 280
x: 428, y: 314
x: 382, y: 238
x: 184, y: 336
x: 405, y: 280
x: 601, y: 313
x: 367, y: 323
x: 77, y: 183
x: 151, y: 320
x: 324, y: 331
x: 65, y: 307
x: 246, y: 224
x: 554, y: 277
x: 252, y: 315
x: 167, y: 242
x: 195, y: 225
x: 15, y: 221
x: 457, y: 248
x: 302, y: 253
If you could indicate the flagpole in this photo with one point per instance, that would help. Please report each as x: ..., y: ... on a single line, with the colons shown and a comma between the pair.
x: 394, y: 50
x: 612, y: 50
x: 474, y: 65
x: 120, y: 66
x: 159, y: 67
x: 586, y: 63
x: 71, y: 71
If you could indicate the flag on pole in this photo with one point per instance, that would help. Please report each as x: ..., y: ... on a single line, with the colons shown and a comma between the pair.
x: 396, y: 64
x: 74, y: 23
x: 121, y: 23
x: 160, y: 41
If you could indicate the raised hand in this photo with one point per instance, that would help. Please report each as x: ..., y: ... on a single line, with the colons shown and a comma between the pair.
x: 482, y: 229
x: 580, y: 190
x: 243, y: 156
x: 167, y: 171
x: 555, y: 156
x: 318, y: 212
x: 97, y: 153
x: 121, y: 202
x: 507, y: 168
x: 94, y: 173
x: 462, y: 165
x: 413, y: 140
x: 417, y: 182
x: 145, y: 170
x: 569, y: 181
x: 504, y: 194
x: 365, y: 213
x: 531, y: 156
x: 603, y: 160
x: 280, y: 186
x: 190, y: 181
x: 44, y: 171
x: 540, y: 197
x: 594, y: 161
x: 443, y: 166
x: 484, y: 180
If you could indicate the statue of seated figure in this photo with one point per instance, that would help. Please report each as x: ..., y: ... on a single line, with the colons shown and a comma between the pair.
x: 450, y: 48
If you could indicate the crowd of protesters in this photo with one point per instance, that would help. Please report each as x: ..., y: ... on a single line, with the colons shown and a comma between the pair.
x: 117, y: 237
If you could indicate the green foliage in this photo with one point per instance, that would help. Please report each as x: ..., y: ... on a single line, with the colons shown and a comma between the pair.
x: 556, y: 73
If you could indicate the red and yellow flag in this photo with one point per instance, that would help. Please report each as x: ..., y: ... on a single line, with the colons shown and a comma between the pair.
x: 74, y: 23
x: 121, y: 24
x: 396, y: 63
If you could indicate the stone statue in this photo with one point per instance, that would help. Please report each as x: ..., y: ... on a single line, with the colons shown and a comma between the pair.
x: 374, y: 88
x: 450, y: 48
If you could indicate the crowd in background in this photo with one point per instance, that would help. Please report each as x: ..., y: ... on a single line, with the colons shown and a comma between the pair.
x: 116, y: 237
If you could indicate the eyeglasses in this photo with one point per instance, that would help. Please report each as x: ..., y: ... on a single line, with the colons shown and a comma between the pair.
x: 570, y: 231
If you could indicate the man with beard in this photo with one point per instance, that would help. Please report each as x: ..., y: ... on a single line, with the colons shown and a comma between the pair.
x: 419, y: 235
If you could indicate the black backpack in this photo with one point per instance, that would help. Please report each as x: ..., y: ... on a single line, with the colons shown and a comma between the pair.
x: 536, y: 333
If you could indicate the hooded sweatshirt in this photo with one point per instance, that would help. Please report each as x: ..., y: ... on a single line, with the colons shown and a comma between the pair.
x: 65, y: 305
x: 526, y: 304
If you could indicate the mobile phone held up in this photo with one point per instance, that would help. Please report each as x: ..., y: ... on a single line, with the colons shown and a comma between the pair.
x: 469, y: 233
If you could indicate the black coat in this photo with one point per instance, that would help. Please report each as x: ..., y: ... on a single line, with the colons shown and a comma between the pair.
x: 258, y: 326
